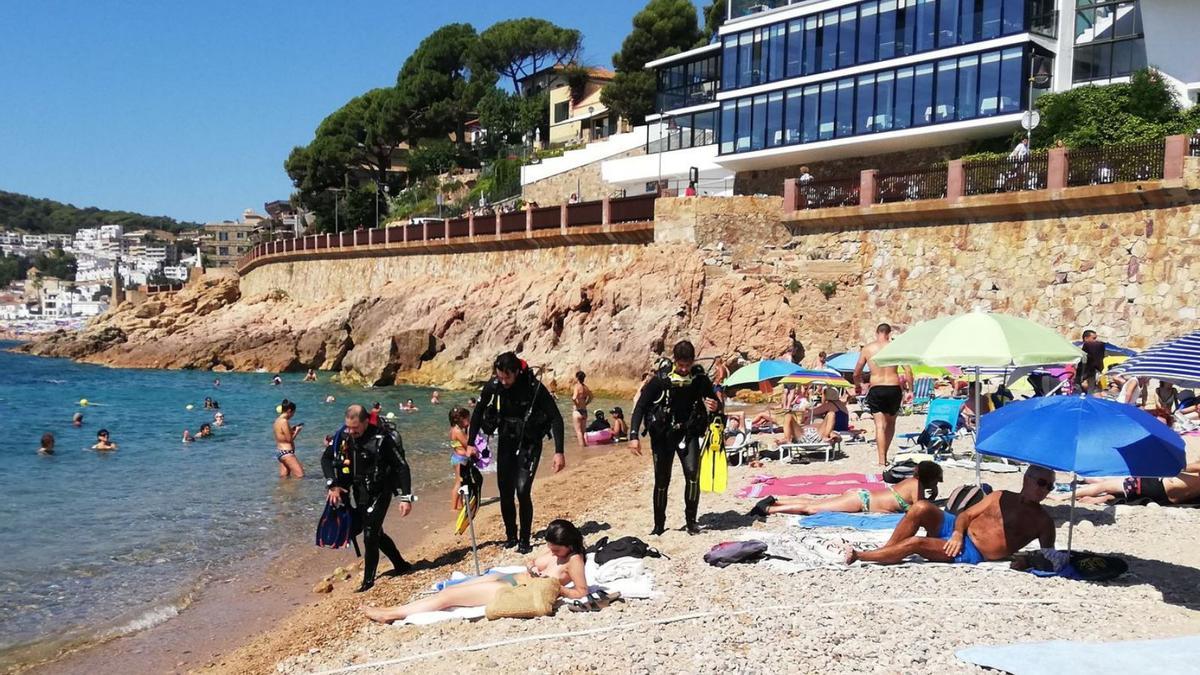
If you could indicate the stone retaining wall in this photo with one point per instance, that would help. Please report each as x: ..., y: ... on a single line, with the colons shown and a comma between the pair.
x: 585, y: 181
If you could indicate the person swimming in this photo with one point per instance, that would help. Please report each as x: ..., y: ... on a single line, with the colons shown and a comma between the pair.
x: 562, y: 558
x: 47, y: 447
x: 187, y: 436
x: 103, y: 443
x: 219, y: 419
x: 205, y: 431
x: 330, y: 399
x: 77, y: 419
x: 435, y: 398
x: 310, y: 376
x: 409, y: 406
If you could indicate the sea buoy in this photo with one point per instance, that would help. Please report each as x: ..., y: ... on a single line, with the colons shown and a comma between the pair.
x: 83, y: 402
x: 188, y: 406
x: 391, y: 416
x: 279, y: 410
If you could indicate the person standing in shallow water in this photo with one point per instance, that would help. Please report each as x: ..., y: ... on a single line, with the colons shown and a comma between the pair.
x: 522, y: 411
x: 47, y: 447
x: 285, y: 441
x: 581, y: 396
x: 675, y: 406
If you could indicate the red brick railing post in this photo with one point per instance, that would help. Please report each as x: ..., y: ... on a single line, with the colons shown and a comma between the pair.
x: 470, y: 225
x: 867, y: 188
x: 605, y: 211
x: 1057, y: 165
x: 1173, y: 157
x: 404, y: 234
x: 497, y: 223
x: 425, y: 231
x: 528, y: 219
x: 791, y: 195
x: 956, y: 180
x: 562, y: 218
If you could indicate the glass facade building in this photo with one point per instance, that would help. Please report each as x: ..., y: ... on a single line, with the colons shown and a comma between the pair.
x: 1109, y: 39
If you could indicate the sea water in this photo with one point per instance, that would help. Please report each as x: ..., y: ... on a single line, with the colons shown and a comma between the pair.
x: 98, y: 544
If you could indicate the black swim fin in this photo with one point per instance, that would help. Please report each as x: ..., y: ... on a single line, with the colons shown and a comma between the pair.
x: 333, y: 530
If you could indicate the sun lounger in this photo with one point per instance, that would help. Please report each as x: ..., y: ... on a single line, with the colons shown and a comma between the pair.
x: 744, y: 450
x: 922, y: 395
x: 940, y: 410
x: 829, y: 449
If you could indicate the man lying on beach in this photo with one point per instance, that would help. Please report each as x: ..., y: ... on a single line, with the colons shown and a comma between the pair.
x: 996, y: 527
x: 1181, y: 489
x: 898, y: 498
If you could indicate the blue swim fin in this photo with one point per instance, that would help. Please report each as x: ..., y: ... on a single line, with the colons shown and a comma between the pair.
x: 333, y: 530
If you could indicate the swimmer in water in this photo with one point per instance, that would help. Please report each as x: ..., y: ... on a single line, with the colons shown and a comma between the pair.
x: 103, y: 443
x: 409, y: 406
x: 285, y: 441
x: 47, y: 444
x: 276, y: 381
x: 310, y: 376
x: 187, y: 436
x: 219, y: 419
x: 205, y: 431
x: 77, y: 420
x: 330, y: 399
x: 435, y: 398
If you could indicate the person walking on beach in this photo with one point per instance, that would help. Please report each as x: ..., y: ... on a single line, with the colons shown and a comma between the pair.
x: 581, y: 396
x: 519, y: 407
x: 366, y: 463
x: 285, y: 441
x: 1093, y: 361
x: 884, y: 393
x: 675, y: 407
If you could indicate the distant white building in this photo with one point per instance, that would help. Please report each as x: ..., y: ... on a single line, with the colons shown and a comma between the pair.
x: 34, y: 241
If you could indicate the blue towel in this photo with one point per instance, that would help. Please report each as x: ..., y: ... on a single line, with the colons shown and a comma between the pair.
x: 857, y: 521
x: 1060, y: 657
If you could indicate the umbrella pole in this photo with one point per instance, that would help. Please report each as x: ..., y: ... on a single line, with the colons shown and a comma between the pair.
x: 1071, y: 522
x: 978, y: 457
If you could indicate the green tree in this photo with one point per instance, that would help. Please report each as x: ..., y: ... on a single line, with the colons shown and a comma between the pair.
x: 433, y: 157
x: 507, y: 117
x: 438, y: 85
x: 1144, y: 109
x: 55, y: 263
x: 714, y: 16
x: 662, y: 28
x: 45, y: 215
x: 518, y: 48
x: 12, y: 268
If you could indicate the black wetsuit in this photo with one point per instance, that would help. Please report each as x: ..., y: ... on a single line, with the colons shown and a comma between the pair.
x: 523, y: 414
x: 372, y: 468
x: 676, y: 420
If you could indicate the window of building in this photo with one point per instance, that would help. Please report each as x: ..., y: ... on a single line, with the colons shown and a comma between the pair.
x: 1109, y: 41
x: 241, y: 235
x: 948, y: 90
x: 562, y: 111
x: 688, y: 83
x: 222, y: 250
x: 222, y: 236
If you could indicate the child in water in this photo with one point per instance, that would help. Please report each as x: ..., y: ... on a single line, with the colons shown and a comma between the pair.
x: 461, y: 451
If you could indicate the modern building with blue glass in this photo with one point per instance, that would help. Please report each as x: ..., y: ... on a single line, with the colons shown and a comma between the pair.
x: 789, y: 83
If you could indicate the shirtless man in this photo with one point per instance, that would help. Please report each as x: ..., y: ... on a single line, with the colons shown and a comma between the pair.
x: 884, y: 394
x: 1181, y: 489
x: 999, y: 525
x: 285, y: 441
x: 720, y: 372
x: 581, y: 396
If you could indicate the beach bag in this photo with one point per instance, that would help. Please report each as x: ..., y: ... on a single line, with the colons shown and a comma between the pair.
x: 730, y: 552
x: 964, y: 497
x: 530, y: 598
x: 936, y: 437
x: 898, y: 471
x: 625, y: 547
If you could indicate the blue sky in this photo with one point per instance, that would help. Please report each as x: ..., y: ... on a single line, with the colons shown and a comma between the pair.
x: 188, y: 109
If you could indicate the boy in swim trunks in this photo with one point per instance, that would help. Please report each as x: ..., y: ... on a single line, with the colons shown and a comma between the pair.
x: 999, y: 525
x: 581, y: 396
x: 285, y: 441
x: 885, y: 392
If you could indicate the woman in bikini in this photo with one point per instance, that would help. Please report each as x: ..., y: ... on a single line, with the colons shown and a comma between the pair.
x: 562, y: 559
x: 896, y: 498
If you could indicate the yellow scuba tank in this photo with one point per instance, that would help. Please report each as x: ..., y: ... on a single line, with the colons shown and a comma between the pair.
x: 714, y: 468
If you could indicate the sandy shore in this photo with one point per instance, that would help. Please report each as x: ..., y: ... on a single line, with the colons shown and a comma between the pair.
x: 753, y: 618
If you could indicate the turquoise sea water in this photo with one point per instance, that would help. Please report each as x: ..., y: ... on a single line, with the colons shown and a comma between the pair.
x: 102, y: 543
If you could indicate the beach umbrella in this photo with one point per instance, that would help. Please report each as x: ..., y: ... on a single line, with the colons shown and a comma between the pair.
x: 818, y: 377
x: 1111, y: 349
x: 766, y: 369
x: 1176, y: 361
x: 1085, y: 435
x: 845, y: 362
x: 978, y: 340
x: 936, y: 372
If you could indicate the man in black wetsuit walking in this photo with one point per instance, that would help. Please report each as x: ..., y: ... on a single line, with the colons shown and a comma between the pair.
x: 675, y: 406
x: 523, y: 411
x: 367, y: 463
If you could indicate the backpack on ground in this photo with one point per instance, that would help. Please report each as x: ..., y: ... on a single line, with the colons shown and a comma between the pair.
x: 898, y: 471
x: 730, y: 552
x: 936, y: 437
x: 625, y: 547
x: 964, y: 497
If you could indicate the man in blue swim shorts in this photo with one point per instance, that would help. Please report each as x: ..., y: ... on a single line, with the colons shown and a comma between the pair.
x: 995, y: 528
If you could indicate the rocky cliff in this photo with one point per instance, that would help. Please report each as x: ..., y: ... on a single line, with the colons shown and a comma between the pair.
x: 606, y: 317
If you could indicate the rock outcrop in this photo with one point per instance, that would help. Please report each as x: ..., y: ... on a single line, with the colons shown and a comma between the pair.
x: 603, y: 318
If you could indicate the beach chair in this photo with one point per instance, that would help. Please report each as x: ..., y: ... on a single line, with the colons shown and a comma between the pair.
x: 940, y: 410
x: 922, y: 395
x: 744, y: 450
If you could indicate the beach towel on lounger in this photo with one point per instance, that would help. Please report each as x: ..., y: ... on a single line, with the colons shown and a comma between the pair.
x: 810, y: 485
x: 853, y: 521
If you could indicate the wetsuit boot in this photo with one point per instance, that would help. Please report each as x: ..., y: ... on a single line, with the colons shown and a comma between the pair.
x: 691, y: 504
x: 660, y: 511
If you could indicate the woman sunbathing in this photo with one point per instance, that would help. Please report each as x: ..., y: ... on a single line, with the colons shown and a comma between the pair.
x: 1181, y: 489
x: 895, y: 499
x: 563, y: 559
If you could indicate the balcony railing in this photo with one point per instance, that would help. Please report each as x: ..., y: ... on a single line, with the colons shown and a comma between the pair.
x: 907, y: 186
x: 824, y: 194
x: 1125, y: 163
x: 1194, y: 146
x: 993, y: 176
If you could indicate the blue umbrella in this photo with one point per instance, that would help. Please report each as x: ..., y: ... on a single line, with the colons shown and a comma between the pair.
x: 1087, y: 436
x: 760, y: 371
x: 1111, y: 349
x: 844, y: 363
x: 1176, y: 361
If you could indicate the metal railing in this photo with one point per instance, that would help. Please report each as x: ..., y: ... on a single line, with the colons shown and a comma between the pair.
x: 912, y: 185
x: 1194, y: 146
x: 631, y: 209
x: 1124, y: 163
x: 830, y: 193
x: 993, y: 176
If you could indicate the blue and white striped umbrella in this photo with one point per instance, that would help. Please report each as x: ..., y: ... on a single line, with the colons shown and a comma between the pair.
x: 1176, y: 361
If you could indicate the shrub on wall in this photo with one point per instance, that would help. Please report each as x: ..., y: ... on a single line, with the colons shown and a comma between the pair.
x: 1144, y: 109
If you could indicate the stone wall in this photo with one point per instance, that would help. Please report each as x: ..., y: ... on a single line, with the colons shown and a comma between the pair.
x: 585, y: 181
x: 770, y: 181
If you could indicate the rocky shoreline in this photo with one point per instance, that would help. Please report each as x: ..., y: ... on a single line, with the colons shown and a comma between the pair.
x: 607, y: 319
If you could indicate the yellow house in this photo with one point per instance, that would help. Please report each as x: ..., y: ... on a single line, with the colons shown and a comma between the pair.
x: 578, y: 116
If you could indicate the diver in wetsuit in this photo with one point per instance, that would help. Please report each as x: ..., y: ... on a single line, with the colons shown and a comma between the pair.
x: 520, y: 407
x: 367, y: 463
x: 675, y: 406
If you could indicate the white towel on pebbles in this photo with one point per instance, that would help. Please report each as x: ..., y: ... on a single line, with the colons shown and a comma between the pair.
x: 627, y: 576
x: 426, y: 618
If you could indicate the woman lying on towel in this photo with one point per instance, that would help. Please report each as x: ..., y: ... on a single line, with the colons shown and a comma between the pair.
x: 562, y: 558
x: 1182, y: 489
x: 896, y: 498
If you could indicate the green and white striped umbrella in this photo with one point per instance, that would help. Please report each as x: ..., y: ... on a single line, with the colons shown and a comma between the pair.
x: 978, y: 339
